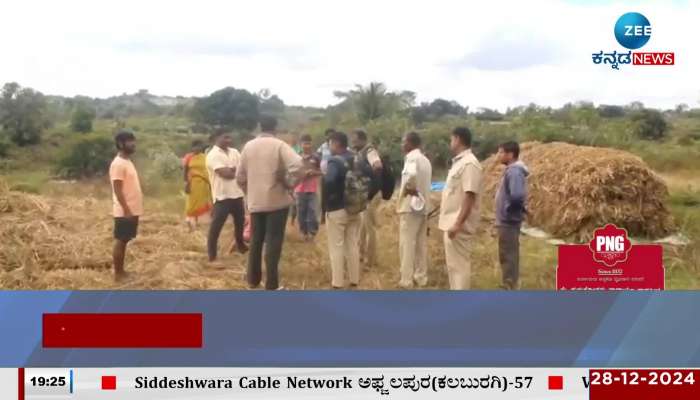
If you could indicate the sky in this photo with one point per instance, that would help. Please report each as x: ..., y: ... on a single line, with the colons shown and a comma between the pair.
x: 493, y: 53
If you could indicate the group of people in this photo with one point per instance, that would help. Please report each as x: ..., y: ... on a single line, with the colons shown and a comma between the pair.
x: 260, y: 184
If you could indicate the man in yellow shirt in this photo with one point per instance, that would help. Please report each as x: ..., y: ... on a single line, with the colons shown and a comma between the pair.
x: 459, y: 210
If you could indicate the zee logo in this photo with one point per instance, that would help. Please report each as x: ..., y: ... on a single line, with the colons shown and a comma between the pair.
x: 637, y: 30
x: 610, y: 243
x: 632, y: 30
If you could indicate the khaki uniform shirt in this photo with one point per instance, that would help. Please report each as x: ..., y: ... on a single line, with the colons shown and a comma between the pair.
x: 417, y: 174
x: 269, y: 170
x: 464, y: 176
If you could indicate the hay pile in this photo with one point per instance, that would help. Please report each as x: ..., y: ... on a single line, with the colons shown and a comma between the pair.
x: 575, y: 189
x: 35, y: 233
x: 61, y: 242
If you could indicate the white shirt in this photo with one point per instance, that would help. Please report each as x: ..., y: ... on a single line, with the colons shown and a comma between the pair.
x: 221, y: 188
x: 417, y: 174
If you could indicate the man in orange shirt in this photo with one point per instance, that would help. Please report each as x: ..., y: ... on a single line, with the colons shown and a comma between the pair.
x: 127, y: 199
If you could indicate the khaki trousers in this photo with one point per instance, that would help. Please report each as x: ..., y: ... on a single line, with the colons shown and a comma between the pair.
x: 368, y: 231
x: 343, y: 246
x: 413, y: 249
x: 457, y: 257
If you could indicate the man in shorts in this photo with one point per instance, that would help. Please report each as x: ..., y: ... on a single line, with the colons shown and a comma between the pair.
x: 127, y: 199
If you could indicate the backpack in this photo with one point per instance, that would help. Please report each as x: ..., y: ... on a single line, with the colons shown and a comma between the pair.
x: 356, y: 190
x: 375, y: 179
x: 388, y: 179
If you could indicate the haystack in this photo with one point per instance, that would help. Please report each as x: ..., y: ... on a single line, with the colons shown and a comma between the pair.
x: 575, y: 189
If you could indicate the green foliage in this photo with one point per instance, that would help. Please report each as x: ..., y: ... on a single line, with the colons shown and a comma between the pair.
x: 229, y: 107
x: 4, y: 147
x: 611, y: 111
x: 88, y: 156
x: 163, y: 172
x: 81, y: 120
x: 649, y: 124
x: 23, y: 114
x: 487, y: 114
x: 386, y: 134
x: 436, y: 143
x: 667, y: 156
x: 435, y: 110
x: 686, y: 198
x: 374, y: 101
x: 164, y: 163
x: 487, y: 137
x: 270, y: 104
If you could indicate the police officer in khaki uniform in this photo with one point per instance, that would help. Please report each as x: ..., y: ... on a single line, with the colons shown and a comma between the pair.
x: 459, y: 211
x: 368, y: 229
x: 413, y: 207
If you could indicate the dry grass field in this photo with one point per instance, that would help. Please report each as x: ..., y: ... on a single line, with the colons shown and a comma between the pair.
x: 61, y: 239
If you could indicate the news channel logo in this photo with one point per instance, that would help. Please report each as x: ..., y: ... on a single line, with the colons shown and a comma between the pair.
x: 633, y: 31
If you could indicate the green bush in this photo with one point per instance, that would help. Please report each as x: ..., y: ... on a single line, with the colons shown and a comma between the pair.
x: 649, y: 124
x: 161, y: 172
x: 4, y: 148
x: 165, y: 164
x: 81, y: 120
x: 86, y: 157
x: 24, y: 115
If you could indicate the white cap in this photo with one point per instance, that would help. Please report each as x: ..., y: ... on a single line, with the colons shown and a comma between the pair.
x: 417, y: 202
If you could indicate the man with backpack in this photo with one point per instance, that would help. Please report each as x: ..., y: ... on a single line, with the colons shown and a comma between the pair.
x: 346, y: 192
x: 369, y: 156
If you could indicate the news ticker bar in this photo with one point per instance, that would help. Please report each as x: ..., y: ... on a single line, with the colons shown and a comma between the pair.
x: 349, y: 383
x: 320, y: 329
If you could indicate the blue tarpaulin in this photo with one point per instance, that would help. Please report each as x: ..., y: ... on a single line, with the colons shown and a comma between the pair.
x: 437, y: 186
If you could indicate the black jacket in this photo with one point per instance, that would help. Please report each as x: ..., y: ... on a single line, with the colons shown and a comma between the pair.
x: 334, y: 181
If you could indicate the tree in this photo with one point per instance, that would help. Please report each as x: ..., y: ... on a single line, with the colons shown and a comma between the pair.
x: 270, y: 104
x: 23, y: 114
x: 81, y: 120
x: 635, y: 106
x: 649, y: 124
x: 611, y: 111
x: 585, y: 114
x: 229, y: 107
x: 681, y: 108
x: 88, y: 156
x: 487, y: 114
x: 374, y: 101
x: 435, y: 110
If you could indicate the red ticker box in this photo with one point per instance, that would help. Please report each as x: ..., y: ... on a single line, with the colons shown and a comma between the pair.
x: 644, y: 384
x: 122, y: 330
